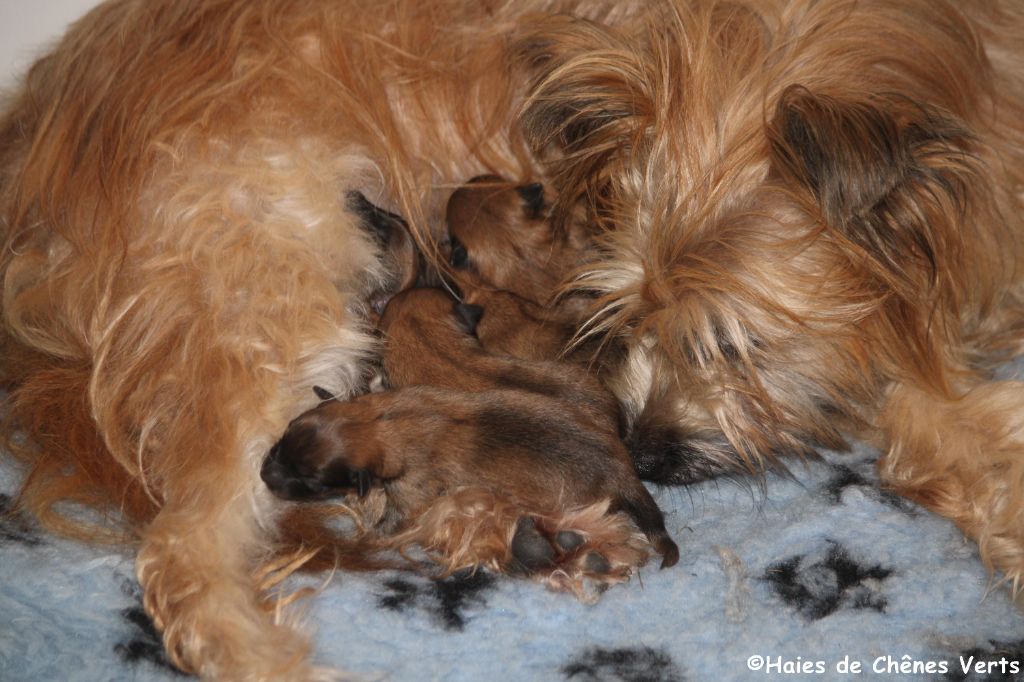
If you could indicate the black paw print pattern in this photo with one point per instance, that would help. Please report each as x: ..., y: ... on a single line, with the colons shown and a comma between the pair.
x: 142, y: 643
x: 627, y: 664
x: 844, y: 477
x: 989, y: 662
x: 818, y: 588
x: 445, y: 600
x: 14, y: 527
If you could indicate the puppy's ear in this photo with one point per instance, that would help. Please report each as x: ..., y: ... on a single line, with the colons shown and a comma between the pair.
x: 885, y: 174
x: 533, y: 199
x: 323, y: 393
x: 468, y: 317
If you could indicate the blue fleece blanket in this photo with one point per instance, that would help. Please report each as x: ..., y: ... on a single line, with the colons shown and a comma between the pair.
x: 821, y: 576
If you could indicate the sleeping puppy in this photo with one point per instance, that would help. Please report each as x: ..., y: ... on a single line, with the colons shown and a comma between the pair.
x: 543, y: 435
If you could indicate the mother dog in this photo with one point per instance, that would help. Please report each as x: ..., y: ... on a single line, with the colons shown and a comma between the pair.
x: 808, y: 216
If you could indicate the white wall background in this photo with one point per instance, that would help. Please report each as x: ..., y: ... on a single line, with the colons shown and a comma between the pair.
x: 27, y: 27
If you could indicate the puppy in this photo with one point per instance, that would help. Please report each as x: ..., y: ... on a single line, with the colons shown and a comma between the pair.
x: 506, y: 253
x: 502, y: 231
x: 541, y: 434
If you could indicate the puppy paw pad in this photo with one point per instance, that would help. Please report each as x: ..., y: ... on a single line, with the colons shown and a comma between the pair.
x: 596, y: 563
x: 531, y: 550
x: 568, y: 540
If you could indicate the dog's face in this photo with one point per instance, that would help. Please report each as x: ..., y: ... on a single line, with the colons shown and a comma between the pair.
x: 499, y: 235
x: 773, y: 253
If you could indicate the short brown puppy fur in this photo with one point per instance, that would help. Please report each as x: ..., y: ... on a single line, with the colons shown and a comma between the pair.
x: 499, y: 232
x: 539, y: 433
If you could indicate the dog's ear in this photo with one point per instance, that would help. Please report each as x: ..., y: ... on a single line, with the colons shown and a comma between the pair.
x: 468, y: 316
x: 391, y: 234
x: 533, y: 199
x: 883, y: 173
x: 385, y: 227
x: 588, y: 105
x: 322, y: 393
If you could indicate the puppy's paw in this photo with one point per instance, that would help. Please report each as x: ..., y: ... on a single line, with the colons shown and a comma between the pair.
x: 580, y: 552
x: 532, y: 551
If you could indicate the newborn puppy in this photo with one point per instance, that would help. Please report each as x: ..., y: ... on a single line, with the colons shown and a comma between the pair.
x: 541, y: 434
x: 499, y: 234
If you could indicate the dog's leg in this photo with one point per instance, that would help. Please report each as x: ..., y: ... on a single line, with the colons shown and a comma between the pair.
x: 963, y: 457
x: 195, y: 372
x: 194, y: 566
x: 582, y: 551
x: 216, y: 521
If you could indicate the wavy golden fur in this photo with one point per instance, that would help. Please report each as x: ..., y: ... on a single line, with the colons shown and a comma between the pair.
x: 808, y: 215
x: 811, y: 227
x: 179, y: 268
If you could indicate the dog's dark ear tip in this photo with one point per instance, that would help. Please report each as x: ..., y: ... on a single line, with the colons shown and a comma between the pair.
x: 533, y: 198
x: 323, y: 393
x: 468, y: 316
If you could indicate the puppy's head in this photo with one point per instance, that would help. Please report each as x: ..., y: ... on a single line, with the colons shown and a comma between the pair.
x: 499, y: 235
x: 508, y: 324
x: 314, y: 458
x: 426, y: 334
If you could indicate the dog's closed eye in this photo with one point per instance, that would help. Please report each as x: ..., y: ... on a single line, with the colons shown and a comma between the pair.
x: 459, y: 258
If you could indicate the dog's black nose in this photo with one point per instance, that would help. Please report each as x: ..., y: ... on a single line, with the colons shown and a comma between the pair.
x: 270, y: 471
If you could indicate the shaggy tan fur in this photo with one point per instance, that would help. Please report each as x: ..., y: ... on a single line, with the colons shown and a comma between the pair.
x: 809, y: 218
x: 179, y: 267
x: 811, y: 227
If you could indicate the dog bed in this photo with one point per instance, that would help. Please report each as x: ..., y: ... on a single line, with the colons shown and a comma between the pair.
x: 811, y: 575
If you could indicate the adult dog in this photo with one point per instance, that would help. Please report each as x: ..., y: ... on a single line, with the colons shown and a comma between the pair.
x: 808, y: 216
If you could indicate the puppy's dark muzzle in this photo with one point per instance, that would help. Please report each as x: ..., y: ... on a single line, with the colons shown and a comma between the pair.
x: 286, y: 480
